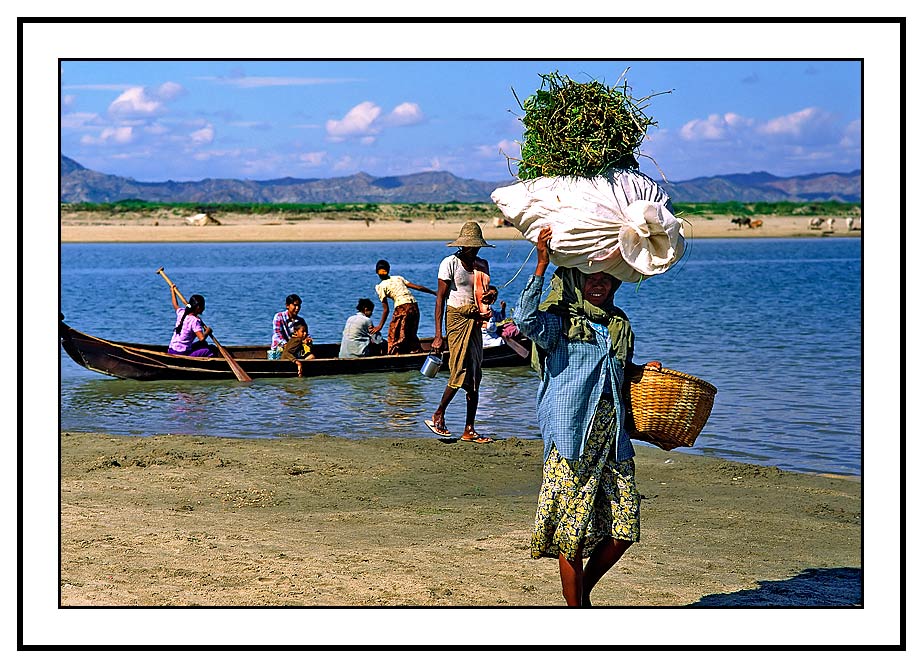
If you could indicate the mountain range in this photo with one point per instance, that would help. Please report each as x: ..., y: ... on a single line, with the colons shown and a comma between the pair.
x: 79, y: 184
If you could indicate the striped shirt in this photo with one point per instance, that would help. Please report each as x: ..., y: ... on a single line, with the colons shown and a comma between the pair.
x: 283, y: 327
x: 575, y: 375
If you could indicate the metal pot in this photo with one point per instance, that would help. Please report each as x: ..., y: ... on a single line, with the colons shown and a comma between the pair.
x: 432, y: 365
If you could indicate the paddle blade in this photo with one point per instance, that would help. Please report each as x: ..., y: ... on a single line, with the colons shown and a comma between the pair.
x: 232, y: 363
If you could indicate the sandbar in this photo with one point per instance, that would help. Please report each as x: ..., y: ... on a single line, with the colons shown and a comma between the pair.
x: 86, y: 227
x: 183, y: 520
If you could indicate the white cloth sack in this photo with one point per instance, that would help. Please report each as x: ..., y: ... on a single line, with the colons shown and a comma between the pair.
x: 620, y: 223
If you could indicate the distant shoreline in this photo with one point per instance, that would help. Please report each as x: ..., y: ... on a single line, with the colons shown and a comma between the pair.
x: 93, y: 227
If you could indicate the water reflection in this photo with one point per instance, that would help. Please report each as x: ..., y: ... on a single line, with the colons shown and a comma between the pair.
x: 744, y: 315
x: 404, y: 398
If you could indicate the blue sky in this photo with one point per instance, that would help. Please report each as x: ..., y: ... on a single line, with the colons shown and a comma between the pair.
x: 263, y: 119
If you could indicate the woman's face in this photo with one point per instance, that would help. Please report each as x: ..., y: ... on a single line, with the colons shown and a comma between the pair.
x: 293, y: 308
x: 598, y: 288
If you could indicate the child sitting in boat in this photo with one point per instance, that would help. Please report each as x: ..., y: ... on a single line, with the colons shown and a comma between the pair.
x: 190, y: 333
x: 297, y: 347
x: 284, y: 324
x: 490, y: 331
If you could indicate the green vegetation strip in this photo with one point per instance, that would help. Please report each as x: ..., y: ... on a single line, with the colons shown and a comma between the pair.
x: 422, y: 210
x: 475, y: 211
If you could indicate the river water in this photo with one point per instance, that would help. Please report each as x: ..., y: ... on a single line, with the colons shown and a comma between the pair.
x: 774, y: 324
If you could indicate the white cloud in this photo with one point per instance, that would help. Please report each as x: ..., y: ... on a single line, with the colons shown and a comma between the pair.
x: 505, y: 147
x: 808, y: 139
x: 358, y: 122
x: 138, y: 101
x: 253, y: 125
x: 509, y: 147
x: 810, y: 124
x: 79, y: 120
x: 121, y: 135
x: 135, y: 102
x: 156, y: 129
x: 67, y: 101
x: 133, y: 155
x: 407, y: 113
x: 715, y: 127
x: 851, y: 138
x: 365, y: 121
x: 208, y: 154
x: 118, y: 135
x: 203, y: 135
x: 313, y: 158
x: 346, y: 163
x: 169, y: 91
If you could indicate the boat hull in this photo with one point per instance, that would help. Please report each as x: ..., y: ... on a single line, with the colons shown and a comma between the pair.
x: 144, y: 362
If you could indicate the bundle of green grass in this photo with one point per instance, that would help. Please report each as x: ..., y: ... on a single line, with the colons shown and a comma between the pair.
x: 580, y: 129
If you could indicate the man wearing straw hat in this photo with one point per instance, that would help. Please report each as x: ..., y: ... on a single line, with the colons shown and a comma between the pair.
x: 455, y: 294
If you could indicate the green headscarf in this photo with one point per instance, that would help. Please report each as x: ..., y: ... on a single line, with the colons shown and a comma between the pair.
x: 566, y: 300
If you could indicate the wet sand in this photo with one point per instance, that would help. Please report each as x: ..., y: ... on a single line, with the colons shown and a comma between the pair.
x: 94, y: 227
x: 326, y: 521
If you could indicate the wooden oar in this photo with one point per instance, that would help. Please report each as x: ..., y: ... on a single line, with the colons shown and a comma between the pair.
x: 235, y: 367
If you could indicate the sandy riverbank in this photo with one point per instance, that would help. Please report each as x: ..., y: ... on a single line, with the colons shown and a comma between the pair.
x: 325, y: 521
x: 94, y: 227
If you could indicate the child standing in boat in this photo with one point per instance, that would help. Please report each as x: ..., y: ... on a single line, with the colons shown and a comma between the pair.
x: 402, y: 334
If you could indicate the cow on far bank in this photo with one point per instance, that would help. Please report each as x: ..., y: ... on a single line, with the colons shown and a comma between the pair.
x: 815, y: 223
x: 741, y: 221
x: 755, y: 224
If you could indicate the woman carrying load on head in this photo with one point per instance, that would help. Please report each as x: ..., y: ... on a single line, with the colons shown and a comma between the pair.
x: 589, y: 506
x: 190, y: 334
x: 455, y: 294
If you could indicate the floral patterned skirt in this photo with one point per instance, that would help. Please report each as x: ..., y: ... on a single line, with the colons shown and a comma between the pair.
x: 583, y: 502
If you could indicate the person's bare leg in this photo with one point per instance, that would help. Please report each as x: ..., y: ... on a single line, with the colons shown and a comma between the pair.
x: 605, y: 555
x: 439, y: 416
x: 471, y: 408
x: 571, y: 572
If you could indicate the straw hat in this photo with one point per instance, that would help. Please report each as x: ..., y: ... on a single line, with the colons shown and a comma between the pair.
x: 470, y: 235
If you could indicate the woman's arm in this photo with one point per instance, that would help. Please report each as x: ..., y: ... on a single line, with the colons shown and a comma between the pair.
x: 543, y: 328
x: 202, y: 334
x: 176, y: 305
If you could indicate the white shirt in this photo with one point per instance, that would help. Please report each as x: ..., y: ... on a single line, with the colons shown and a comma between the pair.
x: 356, y: 336
x: 461, y: 282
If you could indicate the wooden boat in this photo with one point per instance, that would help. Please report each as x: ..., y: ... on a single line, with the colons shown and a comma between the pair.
x: 151, y: 362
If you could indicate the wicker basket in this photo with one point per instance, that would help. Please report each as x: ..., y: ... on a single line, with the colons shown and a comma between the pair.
x: 667, y: 408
